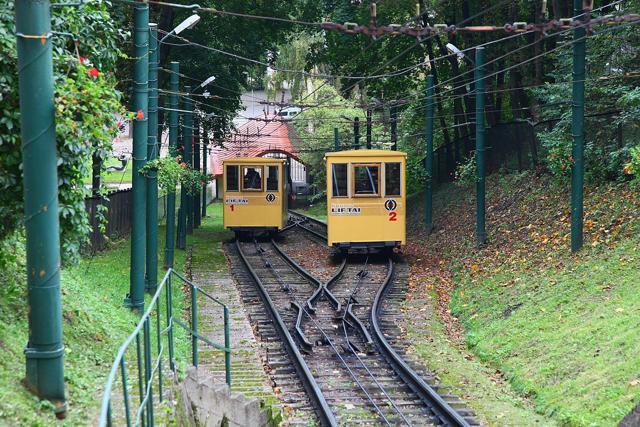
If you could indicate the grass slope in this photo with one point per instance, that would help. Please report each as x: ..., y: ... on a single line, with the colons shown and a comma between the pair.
x: 561, y: 329
x: 95, y: 325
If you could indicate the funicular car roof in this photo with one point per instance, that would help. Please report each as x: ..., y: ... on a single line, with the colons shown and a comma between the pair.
x: 366, y: 153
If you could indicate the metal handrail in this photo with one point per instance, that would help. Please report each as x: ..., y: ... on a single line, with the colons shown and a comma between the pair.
x: 144, y: 411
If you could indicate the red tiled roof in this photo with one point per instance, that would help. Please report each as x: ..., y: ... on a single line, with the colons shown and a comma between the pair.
x: 253, y: 139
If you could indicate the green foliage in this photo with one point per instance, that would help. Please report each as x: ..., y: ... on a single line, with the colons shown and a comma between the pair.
x: 247, y: 37
x: 172, y: 171
x: 293, y: 54
x: 467, y: 172
x: 169, y: 172
x: 633, y: 167
x: 12, y: 268
x: 85, y: 107
x: 193, y: 180
x: 314, y: 127
x: 612, y: 107
x: 85, y: 126
x: 95, y: 323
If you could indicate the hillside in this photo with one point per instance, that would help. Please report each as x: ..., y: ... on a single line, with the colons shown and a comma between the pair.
x: 560, y: 330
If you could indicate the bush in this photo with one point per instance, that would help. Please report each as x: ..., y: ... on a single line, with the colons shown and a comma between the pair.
x: 466, y: 173
x: 85, y: 107
x: 633, y: 167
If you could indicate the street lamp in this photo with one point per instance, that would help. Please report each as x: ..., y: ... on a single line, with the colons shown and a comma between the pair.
x: 187, y: 24
x: 460, y: 54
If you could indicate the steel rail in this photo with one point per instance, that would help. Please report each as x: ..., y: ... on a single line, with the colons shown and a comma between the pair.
x: 324, y: 412
x: 306, y: 218
x: 447, y: 414
x: 296, y: 267
x: 368, y: 340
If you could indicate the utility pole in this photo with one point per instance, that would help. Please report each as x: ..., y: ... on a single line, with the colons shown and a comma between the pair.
x: 481, y: 233
x: 577, y: 130
x: 187, y: 141
x: 356, y: 132
x: 44, y: 351
x: 205, y: 151
x: 135, y: 299
x: 393, y: 116
x: 151, y: 277
x: 428, y: 195
x: 336, y: 139
x: 369, y: 128
x: 196, y: 166
x: 174, y: 87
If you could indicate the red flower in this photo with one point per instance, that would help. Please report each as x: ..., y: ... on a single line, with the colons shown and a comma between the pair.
x: 140, y: 115
x: 82, y: 59
x: 93, y: 72
x: 184, y: 165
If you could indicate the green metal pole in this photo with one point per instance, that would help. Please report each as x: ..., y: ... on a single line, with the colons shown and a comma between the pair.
x: 181, y: 242
x: 188, y: 155
x: 44, y: 351
x: 577, y: 131
x: 205, y: 152
x: 135, y: 299
x: 428, y: 197
x: 356, y: 133
x: 369, y: 128
x: 336, y: 139
x: 196, y: 166
x: 481, y: 233
x: 174, y: 88
x: 393, y: 116
x: 151, y: 277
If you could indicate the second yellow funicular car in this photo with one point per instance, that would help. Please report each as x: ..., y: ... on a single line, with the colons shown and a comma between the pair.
x: 366, y: 201
x: 255, y: 194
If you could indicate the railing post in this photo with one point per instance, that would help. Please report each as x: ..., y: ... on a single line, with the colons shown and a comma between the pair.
x: 227, y: 346
x: 159, y: 347
x: 147, y: 370
x: 125, y: 391
x: 194, y: 326
x: 170, y: 321
x: 140, y: 375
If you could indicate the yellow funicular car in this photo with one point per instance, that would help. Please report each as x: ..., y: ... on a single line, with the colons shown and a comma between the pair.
x: 255, y: 194
x: 366, y: 202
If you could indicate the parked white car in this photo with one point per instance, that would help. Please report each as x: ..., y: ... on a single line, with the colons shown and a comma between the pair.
x: 289, y: 112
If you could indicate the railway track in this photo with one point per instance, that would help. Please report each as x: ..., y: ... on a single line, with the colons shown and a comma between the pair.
x: 337, y: 335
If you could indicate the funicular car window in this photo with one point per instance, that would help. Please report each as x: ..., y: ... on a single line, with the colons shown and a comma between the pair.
x: 232, y: 178
x: 339, y: 179
x: 272, y: 178
x: 252, y: 178
x: 366, y: 180
x: 392, y: 179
